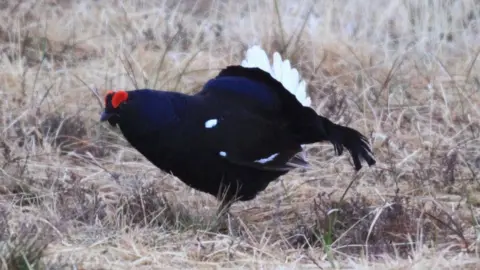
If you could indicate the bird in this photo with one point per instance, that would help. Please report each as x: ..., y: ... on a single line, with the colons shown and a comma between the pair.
x: 245, y: 128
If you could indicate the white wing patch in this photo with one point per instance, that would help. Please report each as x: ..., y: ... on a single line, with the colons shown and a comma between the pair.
x: 211, y: 123
x: 280, y: 70
x: 223, y: 153
x: 268, y: 159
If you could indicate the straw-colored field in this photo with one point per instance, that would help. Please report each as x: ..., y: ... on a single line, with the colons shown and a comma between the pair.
x: 75, y: 195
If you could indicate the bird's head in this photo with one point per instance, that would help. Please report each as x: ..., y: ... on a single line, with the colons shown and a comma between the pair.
x: 141, y: 110
x: 114, y: 103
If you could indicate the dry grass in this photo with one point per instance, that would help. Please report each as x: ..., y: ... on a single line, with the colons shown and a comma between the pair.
x: 74, y: 195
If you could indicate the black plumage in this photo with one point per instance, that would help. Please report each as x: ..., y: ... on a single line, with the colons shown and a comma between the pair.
x: 243, y: 130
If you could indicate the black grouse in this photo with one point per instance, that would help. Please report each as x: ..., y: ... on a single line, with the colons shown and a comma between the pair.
x: 243, y: 130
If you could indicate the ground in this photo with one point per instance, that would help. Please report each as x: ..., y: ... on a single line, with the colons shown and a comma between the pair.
x: 75, y: 195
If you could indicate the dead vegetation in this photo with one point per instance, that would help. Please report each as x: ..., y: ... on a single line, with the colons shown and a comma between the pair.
x: 73, y: 194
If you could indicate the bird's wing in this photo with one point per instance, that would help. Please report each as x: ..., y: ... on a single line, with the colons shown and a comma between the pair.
x: 283, y: 161
x: 249, y: 139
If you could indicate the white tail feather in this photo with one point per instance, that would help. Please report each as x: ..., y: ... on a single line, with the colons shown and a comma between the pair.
x: 280, y: 70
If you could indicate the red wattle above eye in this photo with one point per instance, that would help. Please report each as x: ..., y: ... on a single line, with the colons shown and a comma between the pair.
x: 118, y: 98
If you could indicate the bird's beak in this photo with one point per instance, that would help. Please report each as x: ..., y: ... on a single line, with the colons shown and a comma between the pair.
x: 105, y: 116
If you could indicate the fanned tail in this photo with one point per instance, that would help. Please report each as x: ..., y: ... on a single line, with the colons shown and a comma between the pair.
x: 281, y: 70
x: 340, y: 136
